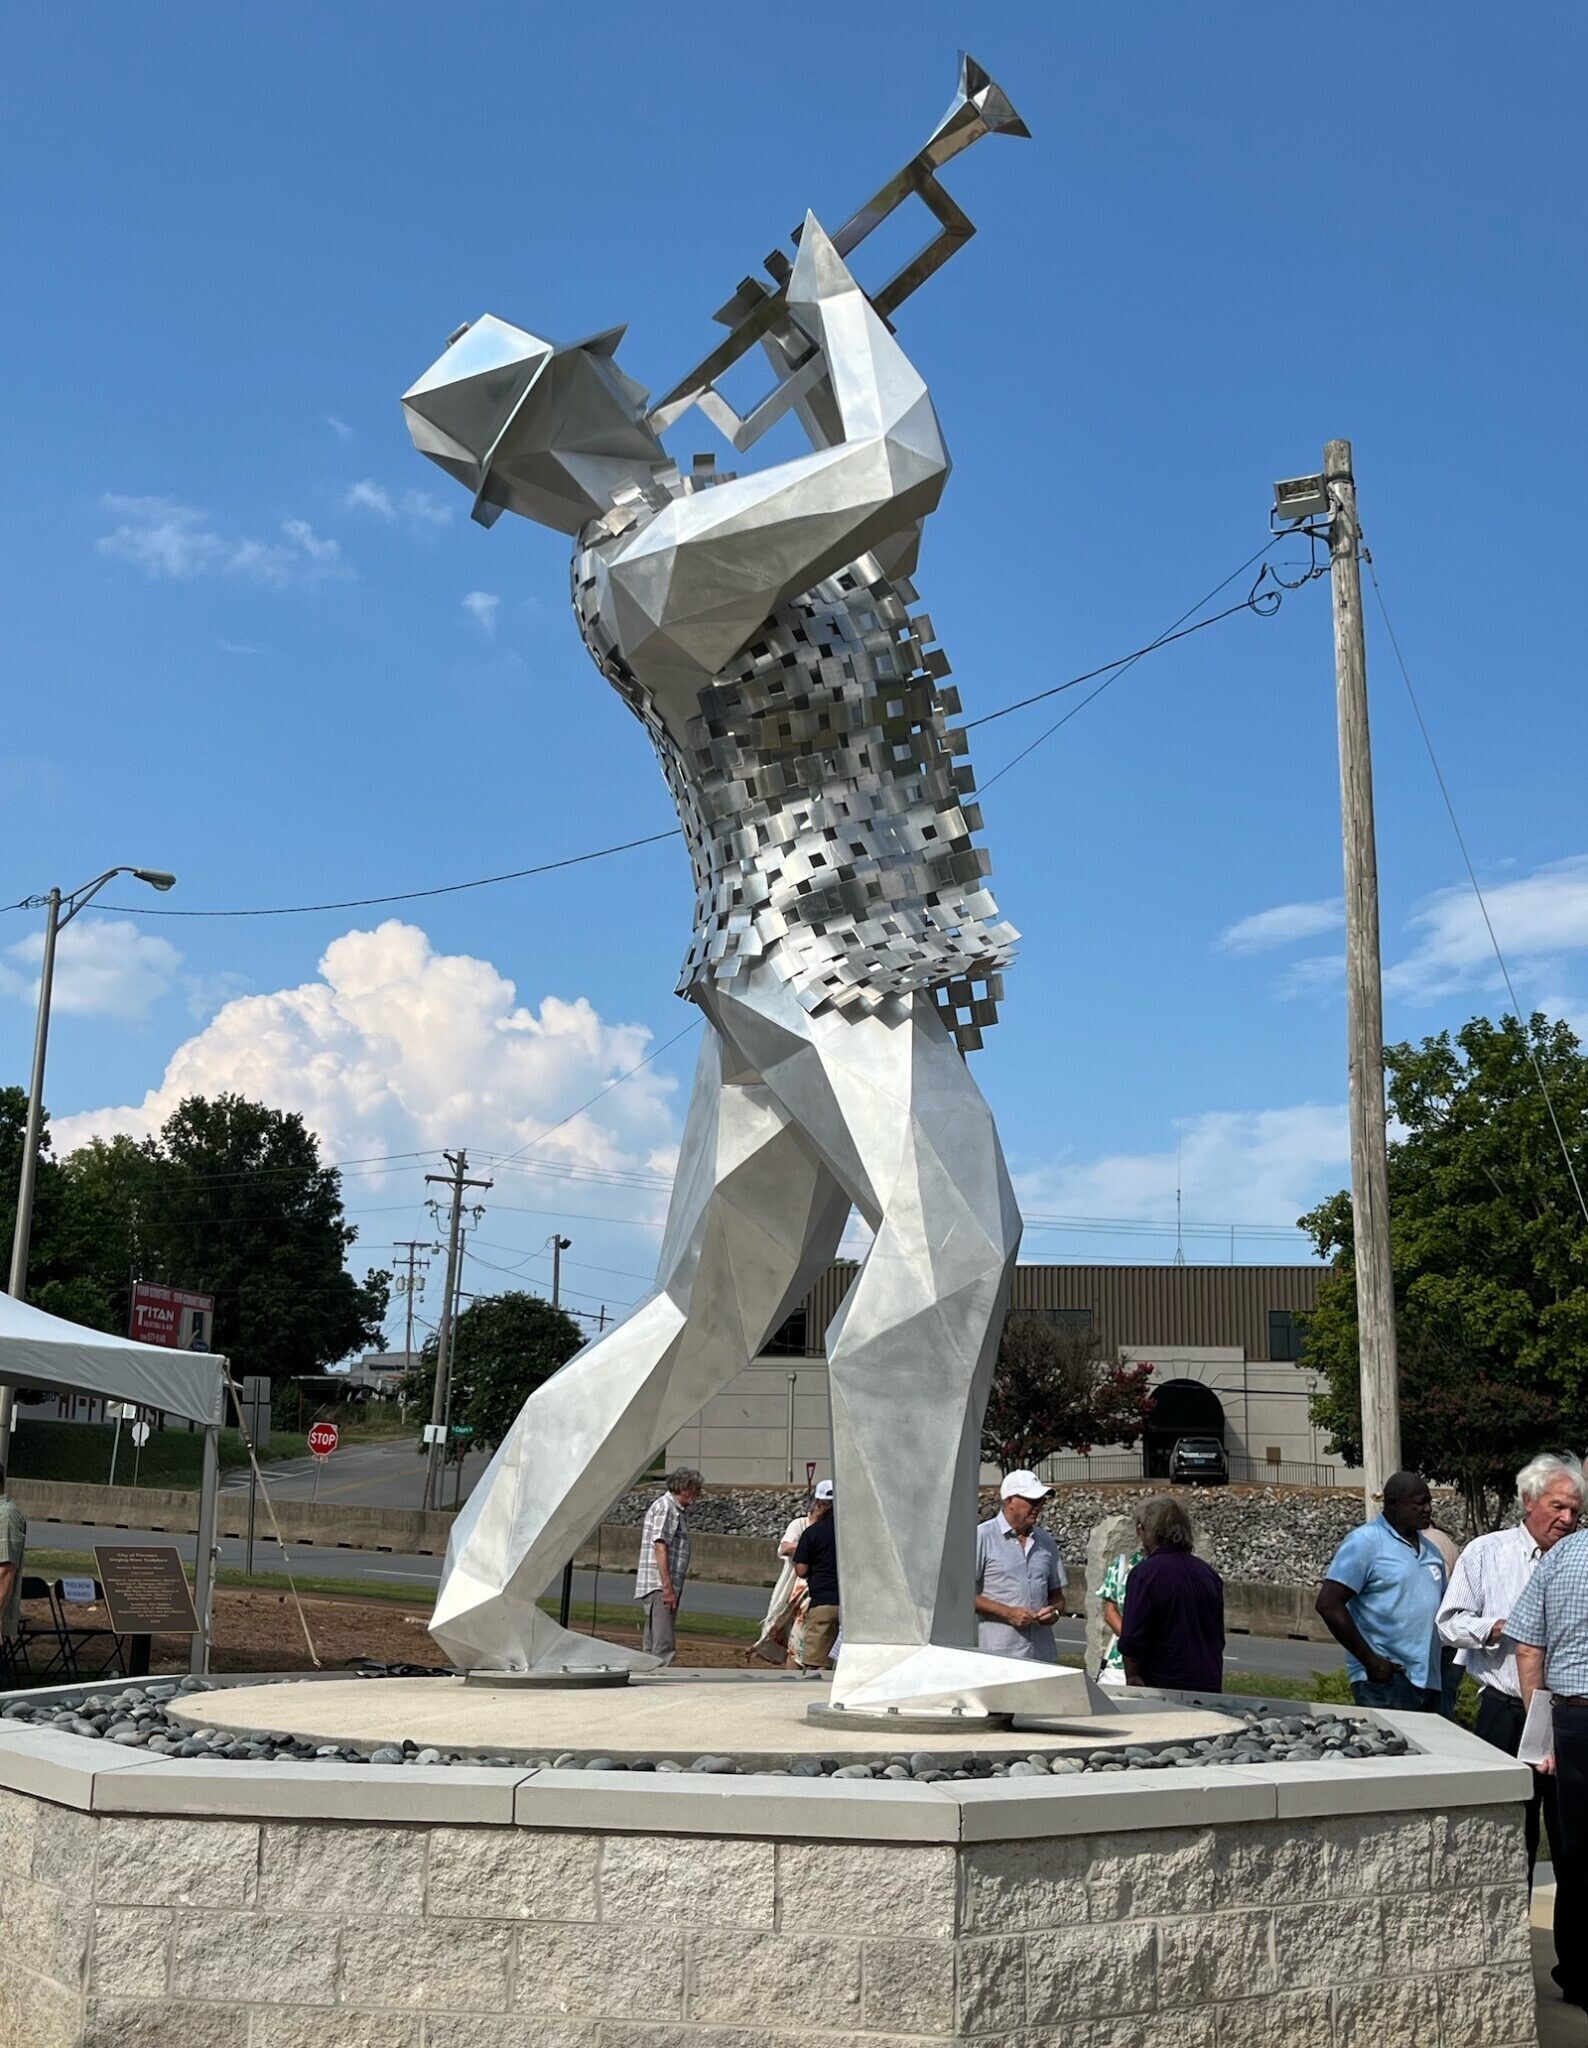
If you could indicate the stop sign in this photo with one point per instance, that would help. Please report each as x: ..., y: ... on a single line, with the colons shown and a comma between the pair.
x: 323, y: 1439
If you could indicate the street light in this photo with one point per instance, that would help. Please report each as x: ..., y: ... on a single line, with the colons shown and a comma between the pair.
x: 61, y: 910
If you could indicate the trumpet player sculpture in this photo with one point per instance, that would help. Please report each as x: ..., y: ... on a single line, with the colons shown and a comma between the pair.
x: 846, y: 948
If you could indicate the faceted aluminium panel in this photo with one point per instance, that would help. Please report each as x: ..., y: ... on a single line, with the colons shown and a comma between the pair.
x: 847, y: 950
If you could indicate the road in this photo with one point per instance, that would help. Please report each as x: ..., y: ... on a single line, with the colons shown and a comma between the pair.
x: 388, y: 1473
x: 1249, y: 1655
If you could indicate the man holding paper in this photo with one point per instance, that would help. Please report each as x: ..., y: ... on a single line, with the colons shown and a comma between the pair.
x: 1549, y: 1626
x: 1484, y: 1588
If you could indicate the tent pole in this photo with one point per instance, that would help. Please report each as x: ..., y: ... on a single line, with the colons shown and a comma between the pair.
x: 204, y: 1556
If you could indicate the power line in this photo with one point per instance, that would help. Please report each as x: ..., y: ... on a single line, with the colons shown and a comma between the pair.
x: 544, y: 867
x: 1263, y: 602
x: 1472, y: 876
x: 1170, y: 632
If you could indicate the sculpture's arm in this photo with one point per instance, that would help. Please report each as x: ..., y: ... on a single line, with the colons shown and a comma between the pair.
x: 696, y: 583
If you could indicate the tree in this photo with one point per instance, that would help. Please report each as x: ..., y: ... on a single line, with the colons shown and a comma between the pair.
x: 240, y: 1207
x: 1489, y: 1249
x: 231, y: 1200
x: 503, y: 1347
x: 1059, y: 1389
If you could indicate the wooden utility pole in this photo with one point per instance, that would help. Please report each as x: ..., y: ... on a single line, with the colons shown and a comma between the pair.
x: 457, y: 1180
x: 410, y: 1284
x: 1375, y: 1283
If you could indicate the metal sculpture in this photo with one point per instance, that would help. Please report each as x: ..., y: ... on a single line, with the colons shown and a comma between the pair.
x: 846, y: 948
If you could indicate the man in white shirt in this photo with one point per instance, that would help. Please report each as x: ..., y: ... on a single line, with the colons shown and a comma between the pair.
x: 1483, y: 1591
x: 1020, y: 1576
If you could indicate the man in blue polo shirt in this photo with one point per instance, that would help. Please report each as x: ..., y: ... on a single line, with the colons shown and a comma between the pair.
x: 1380, y: 1601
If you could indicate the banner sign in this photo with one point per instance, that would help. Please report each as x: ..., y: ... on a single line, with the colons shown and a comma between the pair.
x: 171, y: 1317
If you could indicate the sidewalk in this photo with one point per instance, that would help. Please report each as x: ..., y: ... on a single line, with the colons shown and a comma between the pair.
x: 1559, y: 2025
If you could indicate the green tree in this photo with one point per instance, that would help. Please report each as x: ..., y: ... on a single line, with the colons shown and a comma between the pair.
x: 1059, y: 1389
x: 1489, y: 1248
x: 503, y: 1347
x: 92, y: 1245
x: 240, y: 1207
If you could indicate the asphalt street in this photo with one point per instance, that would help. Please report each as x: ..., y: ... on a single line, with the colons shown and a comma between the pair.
x: 388, y: 1473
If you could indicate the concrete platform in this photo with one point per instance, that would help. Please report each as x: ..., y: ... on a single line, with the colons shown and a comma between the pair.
x: 747, y: 1716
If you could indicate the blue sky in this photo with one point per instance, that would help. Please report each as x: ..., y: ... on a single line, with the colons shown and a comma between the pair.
x: 254, y: 638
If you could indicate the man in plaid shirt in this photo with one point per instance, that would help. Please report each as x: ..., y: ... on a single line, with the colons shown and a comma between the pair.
x: 664, y: 1560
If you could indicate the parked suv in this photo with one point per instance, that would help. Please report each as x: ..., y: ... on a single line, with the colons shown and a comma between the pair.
x: 1199, y: 1461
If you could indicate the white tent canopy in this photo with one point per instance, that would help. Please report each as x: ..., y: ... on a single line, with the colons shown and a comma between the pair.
x: 39, y: 1350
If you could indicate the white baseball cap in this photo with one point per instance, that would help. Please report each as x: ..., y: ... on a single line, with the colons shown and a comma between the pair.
x: 824, y: 1489
x: 1023, y: 1486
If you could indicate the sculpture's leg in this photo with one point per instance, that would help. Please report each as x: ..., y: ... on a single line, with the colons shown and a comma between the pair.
x: 891, y: 1107
x: 754, y: 1219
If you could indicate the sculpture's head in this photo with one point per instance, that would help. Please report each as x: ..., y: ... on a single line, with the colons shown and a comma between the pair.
x: 553, y: 433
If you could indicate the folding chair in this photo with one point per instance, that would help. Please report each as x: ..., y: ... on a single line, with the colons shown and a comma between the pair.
x: 33, y: 1635
x: 101, y: 1647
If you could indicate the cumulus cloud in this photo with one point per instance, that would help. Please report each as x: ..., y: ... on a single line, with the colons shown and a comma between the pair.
x: 418, y: 508
x: 105, y: 967
x: 482, y: 608
x: 1538, y: 919
x: 1282, y: 926
x: 1258, y: 1167
x: 394, y: 1048
x: 167, y: 540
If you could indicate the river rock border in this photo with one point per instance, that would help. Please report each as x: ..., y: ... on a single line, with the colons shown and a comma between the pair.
x: 163, y: 1902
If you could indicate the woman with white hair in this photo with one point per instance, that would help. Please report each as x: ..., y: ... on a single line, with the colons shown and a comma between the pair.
x: 1483, y: 1591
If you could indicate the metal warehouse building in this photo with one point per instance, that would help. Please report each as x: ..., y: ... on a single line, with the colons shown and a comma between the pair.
x: 1224, y: 1343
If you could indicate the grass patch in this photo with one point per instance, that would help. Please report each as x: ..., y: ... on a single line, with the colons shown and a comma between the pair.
x: 78, y: 1454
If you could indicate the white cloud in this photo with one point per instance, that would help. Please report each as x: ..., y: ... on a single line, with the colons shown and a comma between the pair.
x: 395, y: 1048
x: 105, y: 967
x: 1282, y: 925
x: 482, y: 608
x: 419, y: 508
x: 163, y: 538
x: 341, y: 429
x: 1319, y: 974
x: 1233, y: 1166
x: 239, y: 647
x: 1537, y: 918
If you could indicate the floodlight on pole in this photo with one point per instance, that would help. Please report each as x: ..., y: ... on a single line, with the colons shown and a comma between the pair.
x: 60, y: 908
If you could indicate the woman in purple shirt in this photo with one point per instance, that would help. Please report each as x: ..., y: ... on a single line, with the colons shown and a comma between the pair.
x: 1174, y: 1620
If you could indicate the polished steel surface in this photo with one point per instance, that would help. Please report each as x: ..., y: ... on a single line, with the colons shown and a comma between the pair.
x: 847, y: 950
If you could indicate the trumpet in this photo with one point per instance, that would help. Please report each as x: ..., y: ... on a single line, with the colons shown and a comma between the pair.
x: 758, y: 312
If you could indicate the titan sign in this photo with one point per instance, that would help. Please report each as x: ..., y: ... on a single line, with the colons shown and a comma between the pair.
x: 171, y: 1317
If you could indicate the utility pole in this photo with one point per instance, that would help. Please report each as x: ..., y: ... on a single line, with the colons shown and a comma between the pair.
x: 1375, y: 1284
x: 411, y: 1283
x: 457, y: 1180
x: 559, y: 1245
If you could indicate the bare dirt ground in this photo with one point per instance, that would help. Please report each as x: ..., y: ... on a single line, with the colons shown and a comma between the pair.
x: 260, y: 1631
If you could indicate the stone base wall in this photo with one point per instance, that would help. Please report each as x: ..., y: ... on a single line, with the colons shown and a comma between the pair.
x: 1405, y: 1930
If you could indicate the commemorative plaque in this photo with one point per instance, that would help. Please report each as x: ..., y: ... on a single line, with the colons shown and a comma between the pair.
x: 146, y: 1589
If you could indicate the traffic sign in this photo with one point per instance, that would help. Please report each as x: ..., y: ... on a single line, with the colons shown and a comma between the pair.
x: 323, y: 1439
x: 463, y: 1429
x: 140, y: 1434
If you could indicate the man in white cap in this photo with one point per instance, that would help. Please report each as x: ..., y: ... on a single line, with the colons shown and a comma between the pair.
x: 1020, y: 1576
